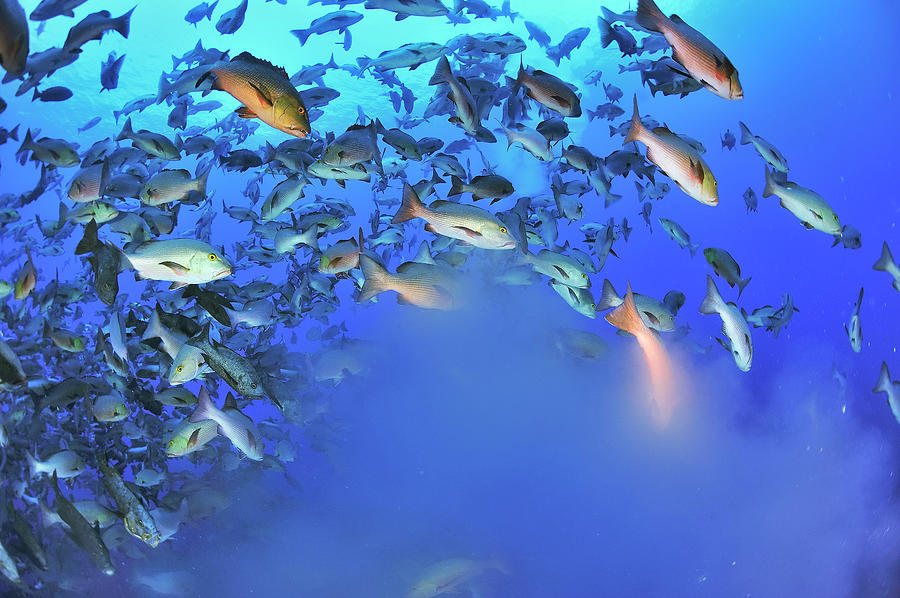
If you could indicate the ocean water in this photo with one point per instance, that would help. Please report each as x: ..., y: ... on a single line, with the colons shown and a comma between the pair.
x: 477, y: 433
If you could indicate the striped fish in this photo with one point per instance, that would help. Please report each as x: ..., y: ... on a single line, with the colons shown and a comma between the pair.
x: 702, y: 59
x: 676, y: 159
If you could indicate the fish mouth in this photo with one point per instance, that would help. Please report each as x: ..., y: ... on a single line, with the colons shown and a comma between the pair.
x: 508, y: 245
x: 222, y: 274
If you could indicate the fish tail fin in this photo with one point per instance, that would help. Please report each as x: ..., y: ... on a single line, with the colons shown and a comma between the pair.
x: 442, y: 73
x: 202, y: 180
x: 456, y: 185
x: 859, y: 301
x: 713, y: 299
x: 302, y: 35
x: 123, y: 23
x: 609, y: 298
x: 310, y: 237
x: 606, y: 32
x: 626, y: 316
x: 741, y: 283
x: 154, y: 327
x: 48, y: 517
x: 884, y: 379
x: 649, y: 16
x: 90, y: 241
x: 34, y: 466
x: 377, y: 278
x: 693, y: 249
x: 209, y: 11
x: 205, y: 408
x: 635, y: 131
x: 771, y: 184
x: 27, y: 143
x: 885, y: 260
x: 410, y: 207
x: 126, y: 132
x: 746, y: 135
x: 14, y: 133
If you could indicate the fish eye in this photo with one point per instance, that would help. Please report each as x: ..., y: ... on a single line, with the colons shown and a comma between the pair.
x: 212, y: 257
x: 503, y: 229
x: 179, y: 369
x: 171, y: 443
x: 583, y: 275
x: 253, y: 385
x: 301, y: 110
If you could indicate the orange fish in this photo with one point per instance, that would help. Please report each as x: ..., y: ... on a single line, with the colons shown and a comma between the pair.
x: 626, y: 317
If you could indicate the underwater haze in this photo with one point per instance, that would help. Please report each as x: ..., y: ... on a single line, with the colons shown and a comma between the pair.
x: 423, y: 298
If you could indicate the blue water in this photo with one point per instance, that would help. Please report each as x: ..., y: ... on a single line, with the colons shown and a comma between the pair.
x: 469, y: 433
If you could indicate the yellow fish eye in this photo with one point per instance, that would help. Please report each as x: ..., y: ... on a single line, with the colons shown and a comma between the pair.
x: 503, y: 229
x: 301, y: 109
x: 179, y: 369
x: 583, y: 275
x: 171, y: 443
x: 212, y: 257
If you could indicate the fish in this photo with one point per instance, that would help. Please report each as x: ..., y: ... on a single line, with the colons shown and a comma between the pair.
x: 663, y: 393
x: 357, y: 144
x: 679, y: 235
x: 559, y: 267
x: 95, y: 26
x: 579, y: 299
x: 57, y: 93
x: 110, y: 408
x: 109, y: 72
x: 655, y: 314
x: 430, y: 286
x: 887, y: 264
x: 190, y: 437
x: 890, y: 388
x: 724, y: 265
x: 204, y: 10
x: 26, y: 535
x: 768, y: 151
x: 854, y: 330
x: 105, y: 261
x: 47, y: 9
x: 734, y: 326
x: 342, y: 256
x: 154, y: 144
x: 84, y: 534
x: 701, y: 59
x: 676, y: 159
x: 339, y: 20
x: 408, y: 8
x: 137, y: 519
x: 179, y: 261
x: 236, y: 370
x: 231, y: 20
x: 232, y: 424
x: 467, y: 115
x: 728, y: 139
x: 750, y: 200
x: 482, y: 186
x: 471, y: 224
x: 174, y: 185
x: 450, y: 576
x: 65, y: 464
x: 26, y: 280
x: 13, y: 37
x: 549, y: 91
x: 265, y: 92
x: 805, y: 204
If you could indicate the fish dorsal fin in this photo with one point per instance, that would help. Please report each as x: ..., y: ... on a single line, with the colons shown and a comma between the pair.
x: 405, y: 267
x: 248, y: 57
x: 676, y: 19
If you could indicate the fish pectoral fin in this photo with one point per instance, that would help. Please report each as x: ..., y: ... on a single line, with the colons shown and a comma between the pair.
x: 561, y: 271
x: 651, y: 318
x: 263, y: 98
x: 177, y: 285
x: 807, y: 225
x: 474, y: 234
x: 194, y: 438
x: 176, y: 268
x: 244, y: 112
x: 251, y: 439
x: 724, y: 344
